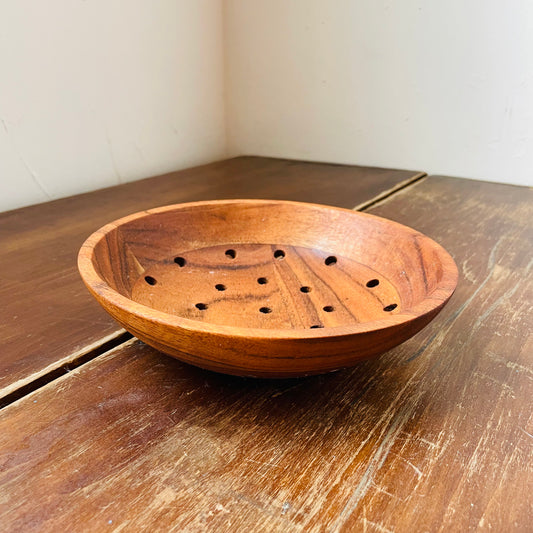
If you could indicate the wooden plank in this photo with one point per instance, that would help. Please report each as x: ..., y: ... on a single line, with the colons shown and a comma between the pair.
x: 436, y: 435
x: 48, y: 319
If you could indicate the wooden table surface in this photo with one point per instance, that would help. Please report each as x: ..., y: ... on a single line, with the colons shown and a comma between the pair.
x: 435, y: 435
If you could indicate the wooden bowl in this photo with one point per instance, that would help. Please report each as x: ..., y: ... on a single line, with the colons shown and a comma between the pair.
x: 266, y: 288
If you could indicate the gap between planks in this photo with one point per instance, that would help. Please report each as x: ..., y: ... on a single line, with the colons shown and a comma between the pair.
x: 385, y: 195
x: 25, y: 387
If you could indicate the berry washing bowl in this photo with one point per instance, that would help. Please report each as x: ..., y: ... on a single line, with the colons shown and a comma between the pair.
x: 267, y: 288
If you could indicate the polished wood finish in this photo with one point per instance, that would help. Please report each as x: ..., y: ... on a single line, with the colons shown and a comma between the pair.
x: 267, y: 288
x: 47, y: 318
x: 435, y: 435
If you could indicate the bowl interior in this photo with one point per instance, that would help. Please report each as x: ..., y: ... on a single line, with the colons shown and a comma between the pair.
x: 269, y: 265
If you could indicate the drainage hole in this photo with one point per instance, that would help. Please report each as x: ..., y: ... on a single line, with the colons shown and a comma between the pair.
x: 180, y: 261
x: 331, y: 260
x: 390, y: 307
x: 262, y: 281
x: 220, y: 287
x: 265, y: 310
x: 231, y: 254
x: 328, y: 308
x: 150, y: 280
x: 316, y: 326
x: 202, y: 307
x: 279, y: 254
x: 305, y: 289
x: 372, y: 283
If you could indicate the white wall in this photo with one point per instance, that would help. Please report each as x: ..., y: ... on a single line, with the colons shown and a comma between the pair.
x: 445, y: 87
x: 96, y: 92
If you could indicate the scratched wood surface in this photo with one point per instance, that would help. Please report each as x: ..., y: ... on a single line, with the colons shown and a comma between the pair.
x: 436, y: 435
x: 47, y: 317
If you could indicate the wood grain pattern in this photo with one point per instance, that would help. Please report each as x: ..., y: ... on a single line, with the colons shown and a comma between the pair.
x: 298, y: 276
x: 47, y: 319
x: 436, y: 435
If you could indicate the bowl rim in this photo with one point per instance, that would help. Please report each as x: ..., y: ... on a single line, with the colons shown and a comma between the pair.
x: 102, y: 290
